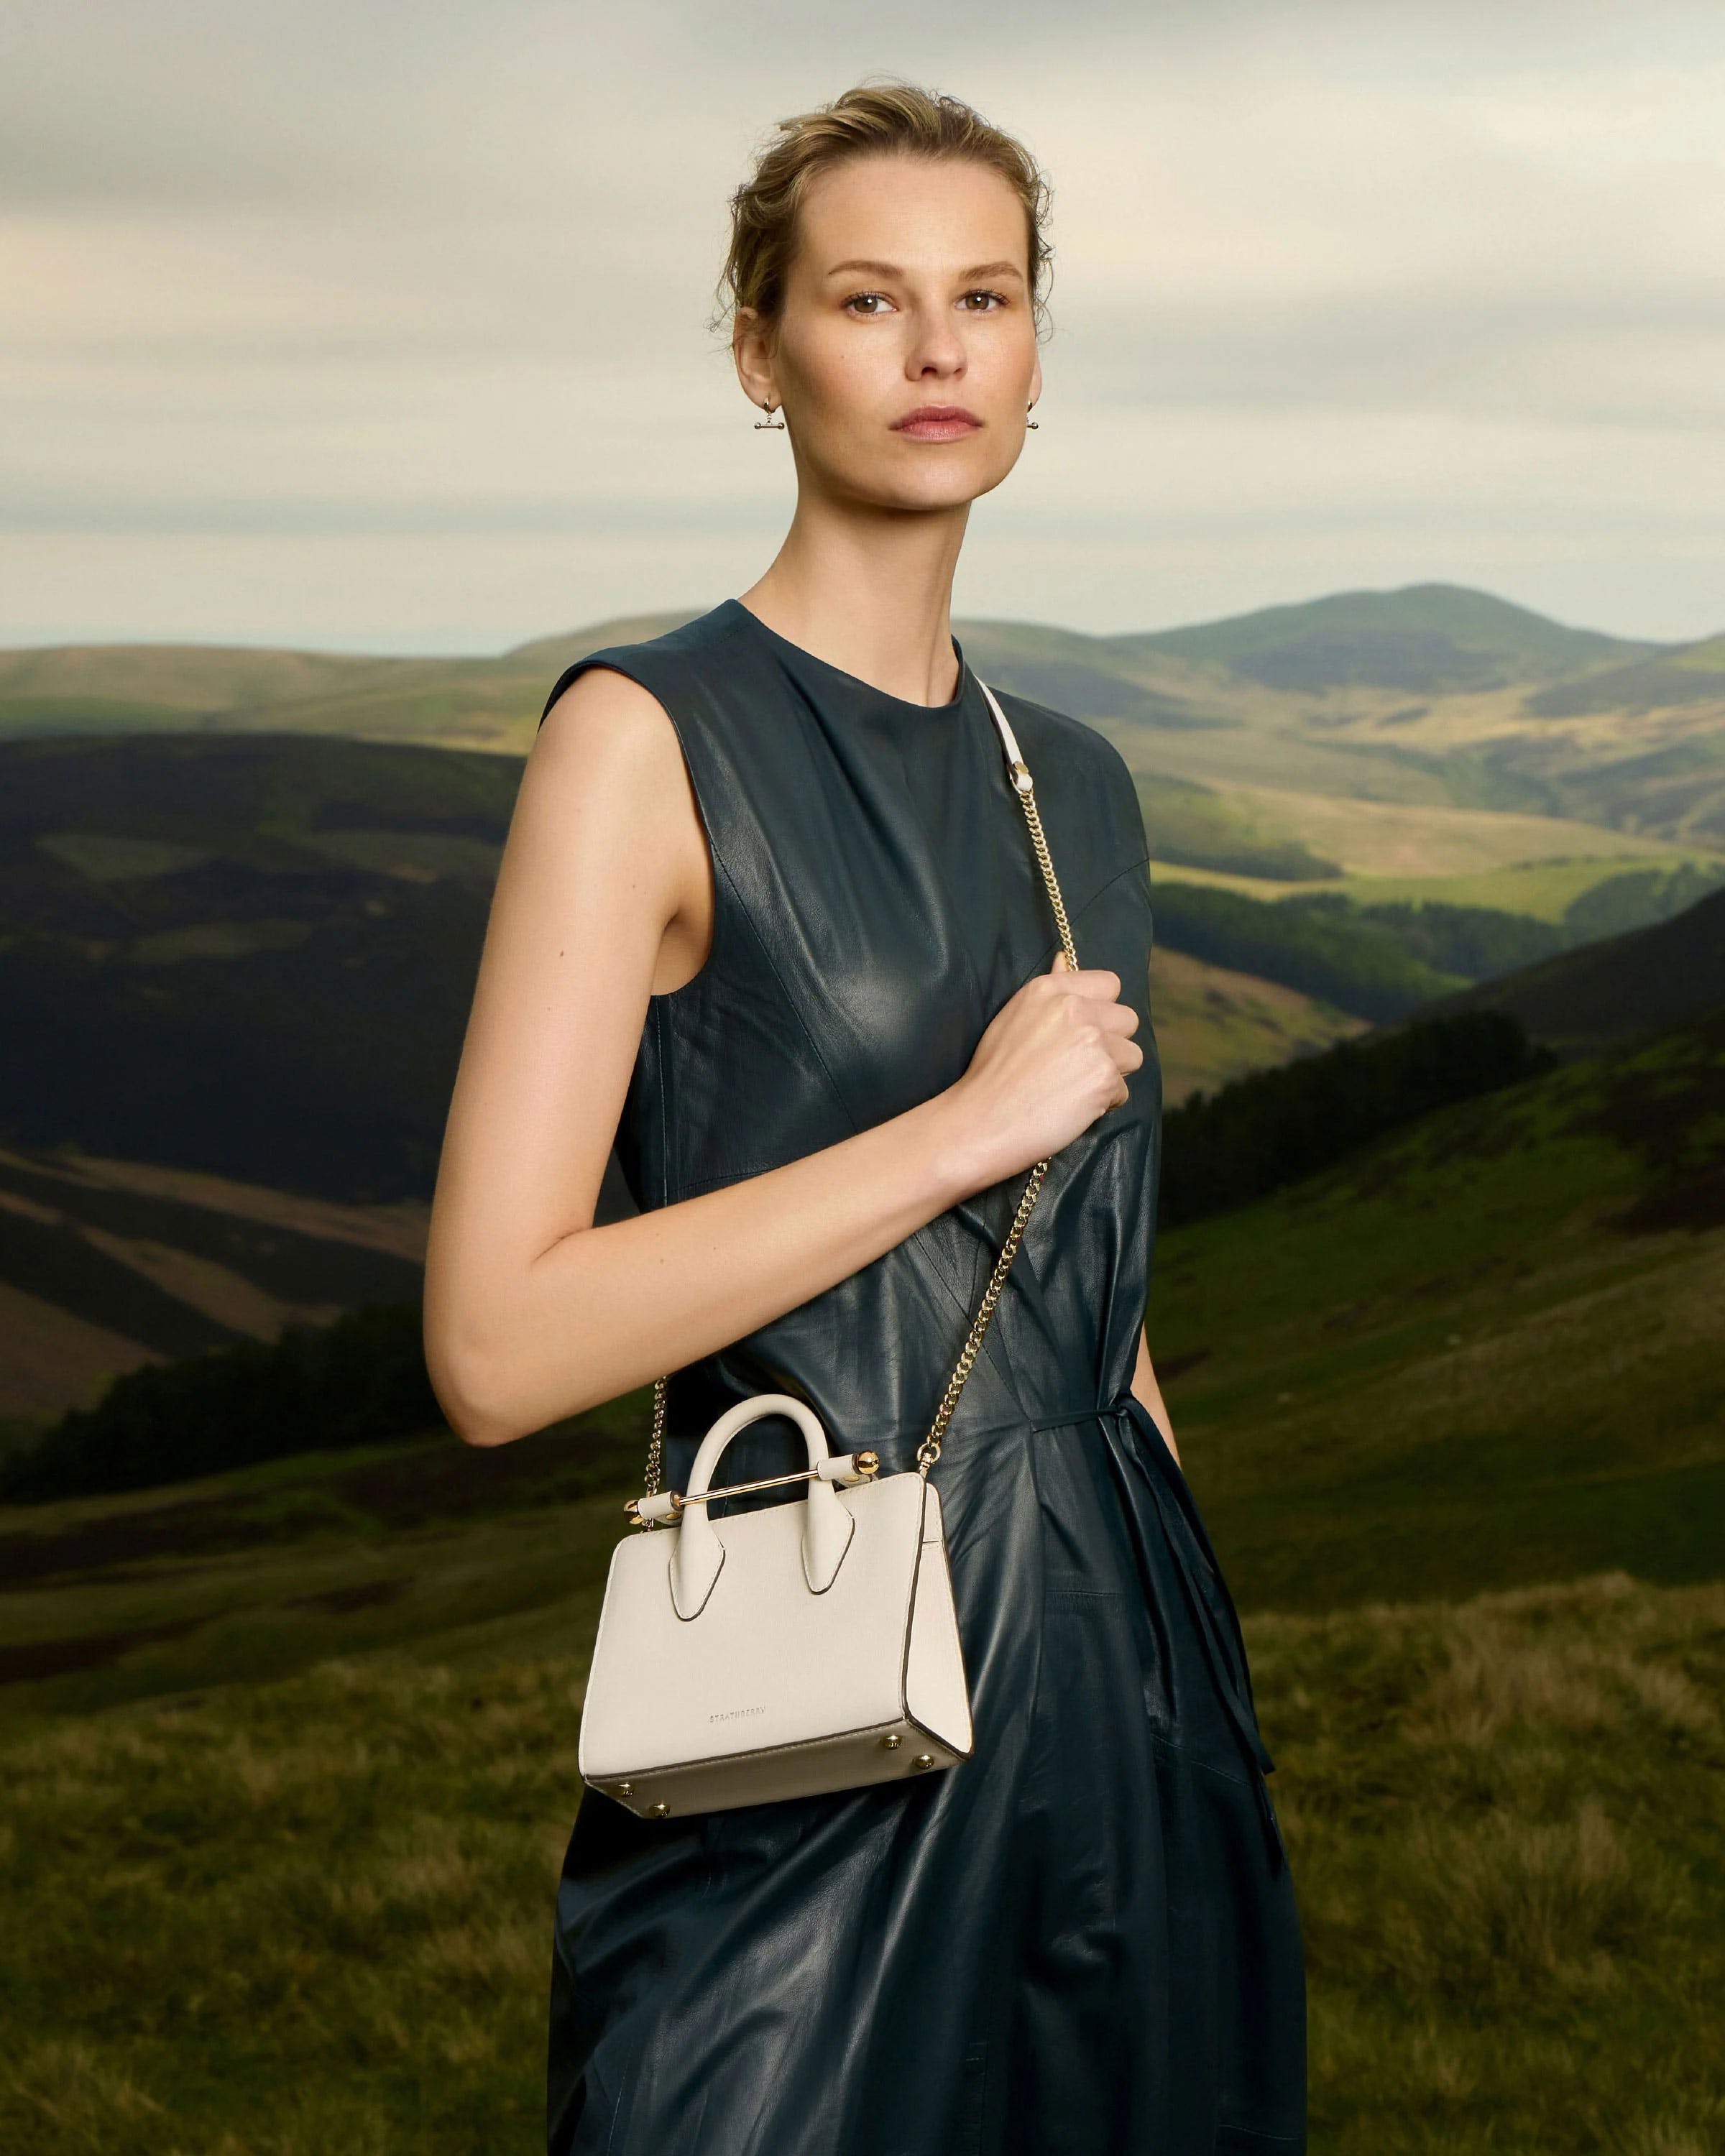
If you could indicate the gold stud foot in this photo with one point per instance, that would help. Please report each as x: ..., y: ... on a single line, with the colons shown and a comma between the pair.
x: 923, y: 1759
x: 893, y: 1743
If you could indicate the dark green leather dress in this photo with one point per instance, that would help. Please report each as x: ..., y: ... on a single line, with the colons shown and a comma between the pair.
x: 1083, y: 1940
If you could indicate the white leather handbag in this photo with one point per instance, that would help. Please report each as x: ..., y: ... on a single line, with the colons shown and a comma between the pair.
x: 800, y: 1647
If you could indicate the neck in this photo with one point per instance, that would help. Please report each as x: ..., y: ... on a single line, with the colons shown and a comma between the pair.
x: 871, y: 592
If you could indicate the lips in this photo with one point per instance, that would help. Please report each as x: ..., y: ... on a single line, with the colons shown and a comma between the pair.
x: 937, y: 423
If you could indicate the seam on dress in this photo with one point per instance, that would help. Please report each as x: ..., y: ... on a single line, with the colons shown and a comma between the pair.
x: 762, y: 945
x: 1034, y: 1778
x: 1191, y: 1759
x: 1075, y: 914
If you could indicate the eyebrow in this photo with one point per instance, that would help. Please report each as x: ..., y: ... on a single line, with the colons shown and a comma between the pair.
x: 892, y: 269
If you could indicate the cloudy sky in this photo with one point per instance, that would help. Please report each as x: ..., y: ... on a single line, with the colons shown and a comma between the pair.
x: 383, y: 327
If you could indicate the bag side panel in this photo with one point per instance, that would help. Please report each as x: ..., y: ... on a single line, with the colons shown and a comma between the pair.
x: 936, y: 1691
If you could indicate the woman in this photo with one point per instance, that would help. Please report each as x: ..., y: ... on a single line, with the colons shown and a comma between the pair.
x: 768, y: 918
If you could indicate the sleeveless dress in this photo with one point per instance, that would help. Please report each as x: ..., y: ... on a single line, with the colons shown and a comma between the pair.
x: 1082, y: 1941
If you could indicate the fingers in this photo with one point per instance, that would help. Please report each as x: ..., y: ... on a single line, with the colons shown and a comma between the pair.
x: 1096, y: 981
x: 1114, y: 1018
x: 1100, y: 988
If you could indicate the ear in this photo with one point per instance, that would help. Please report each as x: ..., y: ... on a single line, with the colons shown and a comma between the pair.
x: 753, y: 343
x: 1036, y: 379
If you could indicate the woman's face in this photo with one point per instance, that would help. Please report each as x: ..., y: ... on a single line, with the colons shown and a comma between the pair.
x: 909, y: 290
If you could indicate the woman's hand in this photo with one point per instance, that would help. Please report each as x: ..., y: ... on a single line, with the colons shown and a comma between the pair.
x: 1055, y: 1057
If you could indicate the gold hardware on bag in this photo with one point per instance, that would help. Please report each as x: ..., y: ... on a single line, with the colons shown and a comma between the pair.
x: 632, y: 1509
x: 865, y: 1464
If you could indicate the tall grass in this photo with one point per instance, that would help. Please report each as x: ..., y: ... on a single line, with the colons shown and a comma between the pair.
x: 312, y: 1917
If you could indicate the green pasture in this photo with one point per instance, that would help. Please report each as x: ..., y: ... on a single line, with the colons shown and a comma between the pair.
x: 1543, y: 889
x: 289, y: 1755
x: 311, y: 1918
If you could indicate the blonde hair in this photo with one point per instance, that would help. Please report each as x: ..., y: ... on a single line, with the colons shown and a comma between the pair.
x: 872, y: 118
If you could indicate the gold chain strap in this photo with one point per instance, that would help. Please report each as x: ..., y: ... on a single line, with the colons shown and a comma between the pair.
x: 930, y: 1448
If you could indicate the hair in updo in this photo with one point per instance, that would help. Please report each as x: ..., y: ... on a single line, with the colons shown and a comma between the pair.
x: 871, y: 118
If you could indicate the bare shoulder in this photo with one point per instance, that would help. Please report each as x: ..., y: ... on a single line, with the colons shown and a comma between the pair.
x: 606, y: 790
x: 607, y: 746
x: 607, y: 718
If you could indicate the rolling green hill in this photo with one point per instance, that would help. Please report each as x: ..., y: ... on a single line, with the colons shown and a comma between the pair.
x: 108, y: 1265
x: 77, y: 687
x: 1383, y: 958
x: 287, y: 1753
x: 1479, y: 1353
x: 282, y: 932
x: 1680, y: 673
x: 1575, y: 1001
x: 274, y: 936
x: 1485, y: 1352
x: 1513, y: 714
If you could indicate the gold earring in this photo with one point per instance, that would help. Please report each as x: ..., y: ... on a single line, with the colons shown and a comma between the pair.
x: 1029, y: 408
x: 769, y: 421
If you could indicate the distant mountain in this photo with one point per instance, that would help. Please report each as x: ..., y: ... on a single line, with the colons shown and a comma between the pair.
x: 545, y: 657
x: 1510, y: 712
x: 91, y: 686
x: 1424, y: 638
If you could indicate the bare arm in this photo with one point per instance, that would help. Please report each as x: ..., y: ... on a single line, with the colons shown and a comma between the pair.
x: 532, y: 1311
x: 1146, y: 1388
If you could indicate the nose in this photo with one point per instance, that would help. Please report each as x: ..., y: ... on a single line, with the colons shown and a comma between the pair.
x: 937, y: 347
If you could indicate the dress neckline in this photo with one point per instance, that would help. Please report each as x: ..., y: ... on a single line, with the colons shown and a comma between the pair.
x: 855, y: 681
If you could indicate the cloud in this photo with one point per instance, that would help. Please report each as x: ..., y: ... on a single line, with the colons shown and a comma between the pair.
x: 1399, y: 289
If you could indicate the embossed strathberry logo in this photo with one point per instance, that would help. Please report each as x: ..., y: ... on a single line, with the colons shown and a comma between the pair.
x: 735, y: 1713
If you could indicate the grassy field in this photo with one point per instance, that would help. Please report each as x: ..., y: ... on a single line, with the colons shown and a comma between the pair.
x: 311, y: 1918
x: 1430, y: 841
x: 1213, y: 1024
x: 289, y: 1756
x: 452, y: 1557
x: 1539, y: 887
x: 1484, y: 1353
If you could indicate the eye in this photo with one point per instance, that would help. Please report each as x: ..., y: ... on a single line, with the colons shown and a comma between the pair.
x: 870, y: 314
x: 998, y: 298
